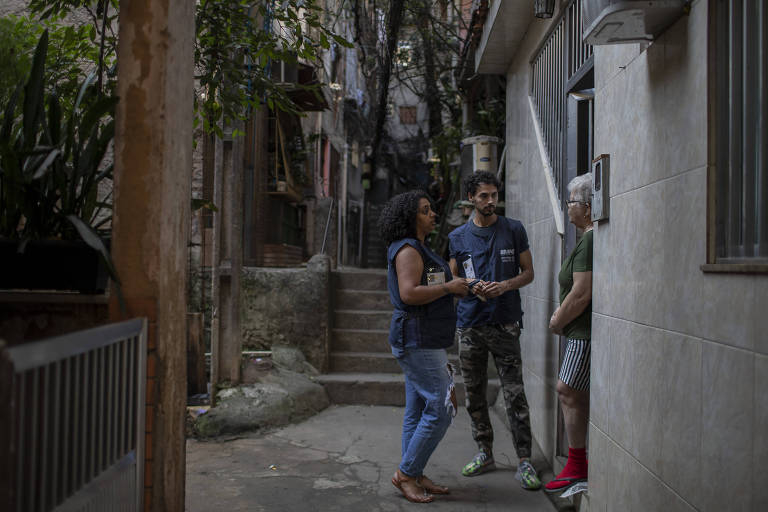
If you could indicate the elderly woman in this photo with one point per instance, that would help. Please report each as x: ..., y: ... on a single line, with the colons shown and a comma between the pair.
x: 421, y: 288
x: 573, y: 319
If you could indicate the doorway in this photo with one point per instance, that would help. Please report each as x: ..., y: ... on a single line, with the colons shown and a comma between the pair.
x: 580, y: 114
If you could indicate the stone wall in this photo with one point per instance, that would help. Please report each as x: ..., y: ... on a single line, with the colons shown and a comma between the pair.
x: 288, y: 307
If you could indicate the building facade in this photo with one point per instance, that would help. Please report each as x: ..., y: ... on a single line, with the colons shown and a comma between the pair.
x: 679, y: 351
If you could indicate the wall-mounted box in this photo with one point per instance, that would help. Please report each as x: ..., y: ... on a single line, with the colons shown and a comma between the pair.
x: 627, y: 21
x: 600, y: 198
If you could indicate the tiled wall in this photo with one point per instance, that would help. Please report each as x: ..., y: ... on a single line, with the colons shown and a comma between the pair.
x: 679, y: 407
x: 677, y: 354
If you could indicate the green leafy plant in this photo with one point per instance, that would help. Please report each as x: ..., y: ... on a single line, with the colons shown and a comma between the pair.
x: 73, y: 52
x: 52, y: 162
x: 489, y: 119
x: 238, y: 42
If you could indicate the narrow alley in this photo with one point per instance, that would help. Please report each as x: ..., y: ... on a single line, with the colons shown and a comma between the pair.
x: 238, y: 237
x: 343, y: 460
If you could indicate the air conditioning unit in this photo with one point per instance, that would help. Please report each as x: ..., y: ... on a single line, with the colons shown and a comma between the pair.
x: 628, y: 21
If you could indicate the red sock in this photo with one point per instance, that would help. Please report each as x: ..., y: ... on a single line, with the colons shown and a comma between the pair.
x: 577, y: 463
x: 575, y: 468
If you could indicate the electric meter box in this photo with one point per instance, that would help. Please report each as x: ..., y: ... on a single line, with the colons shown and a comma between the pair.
x: 600, y: 197
x: 484, y: 150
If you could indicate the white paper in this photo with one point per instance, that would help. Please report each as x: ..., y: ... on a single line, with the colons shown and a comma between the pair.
x: 577, y: 488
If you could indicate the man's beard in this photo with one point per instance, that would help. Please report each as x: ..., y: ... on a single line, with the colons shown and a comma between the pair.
x: 487, y: 211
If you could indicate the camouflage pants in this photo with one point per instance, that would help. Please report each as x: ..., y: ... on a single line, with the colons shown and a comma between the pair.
x: 503, y: 342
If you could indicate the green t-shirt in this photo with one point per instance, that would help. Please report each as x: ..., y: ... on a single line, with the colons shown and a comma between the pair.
x: 580, y: 260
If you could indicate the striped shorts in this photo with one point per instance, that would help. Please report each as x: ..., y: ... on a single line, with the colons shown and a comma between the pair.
x: 575, y: 368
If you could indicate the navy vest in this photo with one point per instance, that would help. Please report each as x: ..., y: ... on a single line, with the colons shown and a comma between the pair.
x: 495, y: 257
x: 429, y: 325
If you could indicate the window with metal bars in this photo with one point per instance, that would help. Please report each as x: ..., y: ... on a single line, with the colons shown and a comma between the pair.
x: 558, y: 65
x: 740, y: 192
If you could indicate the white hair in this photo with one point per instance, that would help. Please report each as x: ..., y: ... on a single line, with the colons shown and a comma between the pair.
x: 581, y: 188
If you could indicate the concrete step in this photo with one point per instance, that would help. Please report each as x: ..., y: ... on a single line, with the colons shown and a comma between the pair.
x: 360, y: 340
x: 362, y: 299
x: 361, y: 279
x: 362, y: 362
x: 371, y: 362
x: 381, y: 388
x: 361, y: 319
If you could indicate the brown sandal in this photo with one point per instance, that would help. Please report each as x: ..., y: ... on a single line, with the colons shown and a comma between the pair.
x: 431, y: 486
x: 411, y: 496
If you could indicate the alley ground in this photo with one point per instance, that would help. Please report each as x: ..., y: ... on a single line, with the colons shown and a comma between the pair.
x: 342, y: 460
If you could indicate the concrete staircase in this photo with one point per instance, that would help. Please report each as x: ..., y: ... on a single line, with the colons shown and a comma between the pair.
x: 363, y: 370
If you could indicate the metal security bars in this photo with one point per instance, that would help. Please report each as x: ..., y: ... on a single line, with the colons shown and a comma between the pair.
x: 72, y: 432
x: 741, y: 127
x: 558, y: 64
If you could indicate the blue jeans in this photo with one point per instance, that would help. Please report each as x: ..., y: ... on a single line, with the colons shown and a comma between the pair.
x: 427, y: 411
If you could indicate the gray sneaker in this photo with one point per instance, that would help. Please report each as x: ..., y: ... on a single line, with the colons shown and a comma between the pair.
x: 527, y: 476
x: 481, y: 463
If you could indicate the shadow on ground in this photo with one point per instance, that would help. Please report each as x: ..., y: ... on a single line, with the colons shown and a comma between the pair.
x: 342, y: 459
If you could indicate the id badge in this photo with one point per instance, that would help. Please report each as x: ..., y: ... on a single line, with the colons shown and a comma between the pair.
x: 469, y: 270
x: 435, y: 278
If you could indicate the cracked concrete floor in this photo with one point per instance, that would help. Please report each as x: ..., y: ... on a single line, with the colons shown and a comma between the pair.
x: 342, y: 460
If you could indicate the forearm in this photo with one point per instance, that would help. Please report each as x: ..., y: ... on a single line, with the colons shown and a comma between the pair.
x: 573, y: 305
x: 517, y: 282
x: 421, y: 294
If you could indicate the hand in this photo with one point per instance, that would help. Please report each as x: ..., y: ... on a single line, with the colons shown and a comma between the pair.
x: 493, y: 289
x: 553, y: 327
x: 458, y: 286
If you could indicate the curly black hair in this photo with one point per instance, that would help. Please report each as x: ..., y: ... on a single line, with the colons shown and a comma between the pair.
x: 478, y: 178
x: 398, y: 218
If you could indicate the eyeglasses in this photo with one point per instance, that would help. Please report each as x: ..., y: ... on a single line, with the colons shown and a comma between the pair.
x: 574, y: 203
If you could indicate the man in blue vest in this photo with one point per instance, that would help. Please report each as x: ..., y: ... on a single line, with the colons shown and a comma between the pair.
x: 492, y: 251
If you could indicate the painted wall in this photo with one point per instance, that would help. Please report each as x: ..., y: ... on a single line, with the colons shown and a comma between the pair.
x: 527, y: 199
x: 679, y: 419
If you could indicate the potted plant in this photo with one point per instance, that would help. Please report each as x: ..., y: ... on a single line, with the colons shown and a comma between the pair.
x: 54, y: 221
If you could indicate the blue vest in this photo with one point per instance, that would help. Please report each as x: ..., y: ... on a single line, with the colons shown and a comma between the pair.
x: 493, y: 253
x: 430, y: 325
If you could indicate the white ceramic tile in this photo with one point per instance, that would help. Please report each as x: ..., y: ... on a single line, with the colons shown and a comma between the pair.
x: 680, y: 399
x: 728, y: 381
x: 650, y: 493
x: 760, y: 432
x: 598, y: 470
x: 620, y: 414
x: 600, y: 370
x: 643, y: 246
x: 760, y: 313
x: 621, y: 478
x: 609, y: 284
x: 646, y: 397
x: 603, y: 268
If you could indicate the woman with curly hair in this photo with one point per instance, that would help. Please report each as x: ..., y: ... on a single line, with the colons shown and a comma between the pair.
x: 421, y: 288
